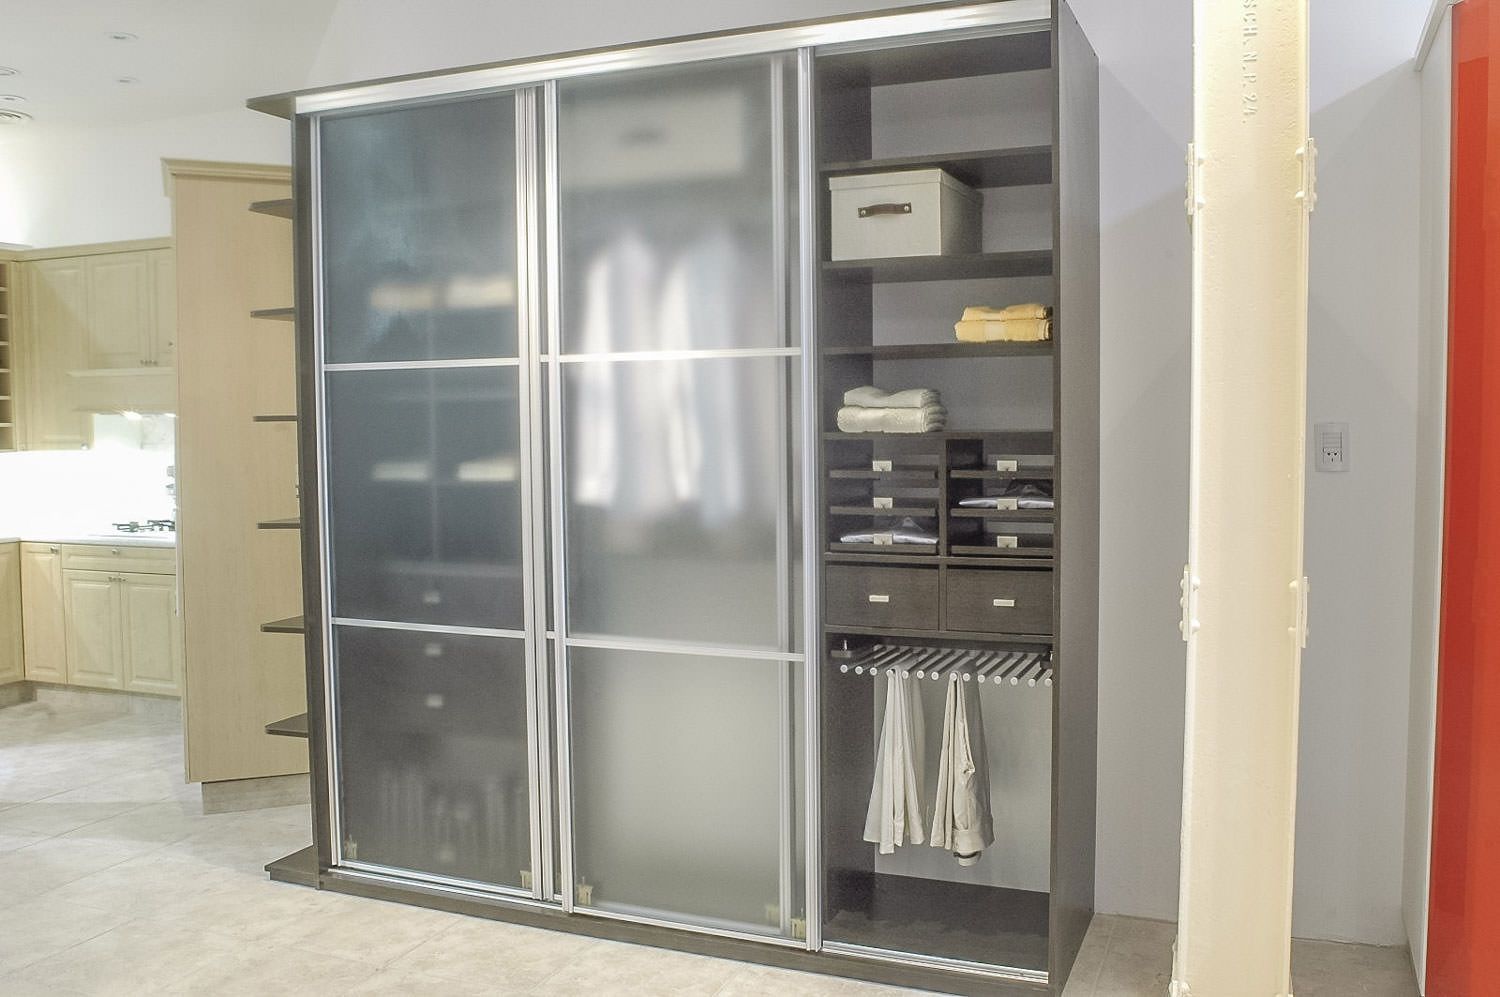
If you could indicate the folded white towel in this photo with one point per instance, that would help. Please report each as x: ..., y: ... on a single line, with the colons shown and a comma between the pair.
x: 927, y: 419
x: 870, y: 396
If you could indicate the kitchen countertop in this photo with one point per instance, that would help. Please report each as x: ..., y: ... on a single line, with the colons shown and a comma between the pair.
x: 98, y: 539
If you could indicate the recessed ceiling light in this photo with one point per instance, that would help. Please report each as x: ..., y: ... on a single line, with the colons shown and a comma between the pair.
x: 122, y: 36
x: 127, y: 79
x: 9, y: 117
x: 7, y: 71
x: 11, y: 98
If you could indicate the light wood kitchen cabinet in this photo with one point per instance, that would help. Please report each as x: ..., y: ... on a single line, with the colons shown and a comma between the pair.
x: 111, y: 307
x: 151, y: 651
x: 120, y: 626
x: 163, y: 345
x: 118, y: 316
x: 42, y: 624
x: 53, y: 342
x: 11, y: 668
x: 91, y: 612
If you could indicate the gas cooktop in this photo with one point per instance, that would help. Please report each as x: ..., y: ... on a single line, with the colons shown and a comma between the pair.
x: 149, y: 526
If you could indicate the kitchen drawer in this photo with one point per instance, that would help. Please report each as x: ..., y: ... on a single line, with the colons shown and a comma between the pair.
x: 122, y: 557
x: 991, y: 600
x: 881, y: 596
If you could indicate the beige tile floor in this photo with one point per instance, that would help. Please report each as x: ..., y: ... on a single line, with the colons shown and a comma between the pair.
x: 113, y: 882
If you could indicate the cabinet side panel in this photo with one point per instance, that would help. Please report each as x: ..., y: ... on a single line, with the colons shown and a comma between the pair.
x: 233, y: 473
x: 1076, y: 700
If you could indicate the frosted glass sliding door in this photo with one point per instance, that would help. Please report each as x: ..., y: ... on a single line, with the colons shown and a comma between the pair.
x: 679, y: 369
x: 423, y: 394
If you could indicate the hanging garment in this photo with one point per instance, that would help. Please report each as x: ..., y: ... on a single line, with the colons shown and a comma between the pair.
x: 619, y: 301
x: 895, y: 814
x: 961, y: 819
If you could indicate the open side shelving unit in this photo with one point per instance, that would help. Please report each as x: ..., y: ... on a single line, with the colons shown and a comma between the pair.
x: 7, y: 356
x: 300, y: 867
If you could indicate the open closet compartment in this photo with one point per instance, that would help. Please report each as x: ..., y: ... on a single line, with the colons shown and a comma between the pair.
x: 589, y: 560
x: 959, y: 560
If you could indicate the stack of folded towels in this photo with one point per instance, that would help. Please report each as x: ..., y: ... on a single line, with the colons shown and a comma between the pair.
x: 1029, y: 323
x: 870, y: 410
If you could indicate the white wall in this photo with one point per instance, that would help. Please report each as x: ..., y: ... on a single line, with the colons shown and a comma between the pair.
x: 1432, y: 347
x: 64, y: 185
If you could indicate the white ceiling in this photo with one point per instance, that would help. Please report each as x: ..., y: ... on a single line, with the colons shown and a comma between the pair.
x: 190, y: 56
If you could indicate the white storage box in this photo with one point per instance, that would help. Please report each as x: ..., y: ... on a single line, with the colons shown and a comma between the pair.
x: 912, y: 213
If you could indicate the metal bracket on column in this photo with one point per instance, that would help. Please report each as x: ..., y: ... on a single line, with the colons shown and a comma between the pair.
x: 1307, y: 189
x: 1189, y: 586
x: 1299, y: 628
x: 1194, y: 199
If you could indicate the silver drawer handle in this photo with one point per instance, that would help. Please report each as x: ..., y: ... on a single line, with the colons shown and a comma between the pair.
x: 1003, y: 603
x: 880, y: 598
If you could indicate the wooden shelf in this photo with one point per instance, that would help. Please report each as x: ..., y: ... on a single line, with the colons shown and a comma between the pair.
x: 279, y: 314
x: 1020, y: 52
x: 290, y: 625
x: 940, y: 434
x: 971, y: 553
x: 941, y: 351
x: 915, y: 511
x: 1014, y: 515
x: 274, y: 418
x: 916, y: 475
x: 281, y: 208
x: 913, y: 269
x: 1023, y: 474
x: 279, y: 524
x: 290, y: 727
x: 947, y: 634
x: 1019, y: 167
x: 927, y: 553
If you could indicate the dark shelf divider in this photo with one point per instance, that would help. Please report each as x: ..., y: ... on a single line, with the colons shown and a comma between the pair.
x: 290, y: 625
x: 915, y: 269
x: 942, y: 351
x: 279, y: 208
x: 274, y: 418
x: 1018, y: 167
x: 279, y: 524
x: 290, y: 727
x: 280, y: 314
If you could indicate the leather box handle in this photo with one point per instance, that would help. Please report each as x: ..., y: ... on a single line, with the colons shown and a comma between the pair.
x: 885, y: 209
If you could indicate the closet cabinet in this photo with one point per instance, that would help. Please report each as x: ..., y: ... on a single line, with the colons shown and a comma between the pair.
x: 604, y: 619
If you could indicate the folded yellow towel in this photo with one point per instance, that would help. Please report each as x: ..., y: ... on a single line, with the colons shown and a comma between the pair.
x: 1029, y: 330
x: 980, y: 313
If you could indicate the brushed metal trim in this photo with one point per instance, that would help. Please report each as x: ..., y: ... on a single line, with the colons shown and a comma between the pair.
x: 428, y: 628
x: 812, y: 561
x: 698, y: 928
x: 1016, y: 15
x: 646, y: 356
x: 610, y: 643
x: 563, y: 740
x: 424, y: 364
x: 331, y: 720
x: 938, y: 962
x: 526, y: 332
x: 407, y: 879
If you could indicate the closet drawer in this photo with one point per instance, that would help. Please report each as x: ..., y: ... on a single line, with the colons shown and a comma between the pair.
x: 860, y: 596
x: 998, y: 601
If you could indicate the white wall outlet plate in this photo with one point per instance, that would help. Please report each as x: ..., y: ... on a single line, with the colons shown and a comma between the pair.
x: 1331, y: 446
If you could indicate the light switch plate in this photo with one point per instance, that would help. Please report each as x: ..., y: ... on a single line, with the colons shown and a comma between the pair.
x: 1331, y: 446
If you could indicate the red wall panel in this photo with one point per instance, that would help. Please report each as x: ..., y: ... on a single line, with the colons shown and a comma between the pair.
x: 1463, y: 954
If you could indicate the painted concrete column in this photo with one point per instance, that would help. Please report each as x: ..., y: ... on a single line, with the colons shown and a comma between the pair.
x: 1244, y: 592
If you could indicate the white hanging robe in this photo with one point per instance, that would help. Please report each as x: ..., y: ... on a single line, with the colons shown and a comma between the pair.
x: 961, y: 819
x: 896, y: 799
